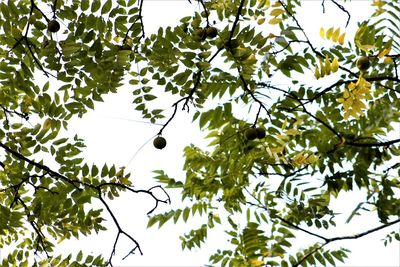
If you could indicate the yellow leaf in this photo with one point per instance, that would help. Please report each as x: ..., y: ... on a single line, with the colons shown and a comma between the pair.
x: 284, y: 124
x: 317, y: 75
x: 353, y: 97
x: 250, y: 60
x: 329, y: 33
x: 47, y: 124
x: 341, y: 38
x: 378, y: 3
x: 335, y: 35
x: 277, y: 4
x: 274, y: 21
x: 351, y: 86
x: 327, y: 66
x: 387, y: 60
x: 117, y: 39
x: 365, y: 37
x: 282, y: 138
x: 260, y: 21
x: 322, y: 68
x: 257, y: 263
x: 322, y: 33
x: 276, y: 12
x: 311, y: 159
x: 384, y: 52
x: 299, y: 158
x: 292, y: 132
x: 335, y: 64
x: 297, y: 122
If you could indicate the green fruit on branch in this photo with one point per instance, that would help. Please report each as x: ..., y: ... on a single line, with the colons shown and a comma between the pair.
x: 363, y: 63
x: 159, y: 142
x: 200, y: 34
x: 261, y: 133
x: 211, y: 32
x: 250, y: 134
x: 53, y: 26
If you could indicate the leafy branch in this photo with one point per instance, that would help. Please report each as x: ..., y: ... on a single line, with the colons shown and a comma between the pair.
x: 77, y: 184
x: 197, y: 75
x: 7, y: 112
x: 25, y: 38
x: 319, y: 54
x: 140, y: 19
x: 325, y: 239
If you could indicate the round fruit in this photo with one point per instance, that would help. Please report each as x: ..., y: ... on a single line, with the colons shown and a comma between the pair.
x: 159, y: 142
x: 199, y: 34
x: 250, y: 134
x: 53, y: 26
x: 260, y: 133
x: 211, y: 32
x: 363, y: 63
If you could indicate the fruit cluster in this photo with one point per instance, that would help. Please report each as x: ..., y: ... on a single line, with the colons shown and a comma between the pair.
x: 203, y: 33
x: 255, y: 133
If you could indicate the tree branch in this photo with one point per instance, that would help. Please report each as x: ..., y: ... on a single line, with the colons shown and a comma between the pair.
x: 98, y: 188
x: 325, y: 239
x: 319, y: 54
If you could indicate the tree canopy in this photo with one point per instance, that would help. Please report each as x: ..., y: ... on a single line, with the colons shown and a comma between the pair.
x: 320, y: 122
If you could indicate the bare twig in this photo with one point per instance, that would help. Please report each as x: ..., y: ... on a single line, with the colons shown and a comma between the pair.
x: 344, y: 10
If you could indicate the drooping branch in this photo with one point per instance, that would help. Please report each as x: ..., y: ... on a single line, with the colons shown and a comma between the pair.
x: 140, y: 19
x: 79, y: 185
x: 356, y: 236
x: 326, y: 240
x: 25, y: 38
x: 41, y: 237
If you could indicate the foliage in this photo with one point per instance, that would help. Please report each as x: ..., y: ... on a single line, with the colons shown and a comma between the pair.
x: 323, y: 138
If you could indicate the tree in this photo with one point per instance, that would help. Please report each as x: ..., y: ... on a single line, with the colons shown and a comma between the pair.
x: 277, y: 169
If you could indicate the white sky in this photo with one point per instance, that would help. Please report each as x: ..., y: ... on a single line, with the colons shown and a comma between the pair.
x: 117, y: 140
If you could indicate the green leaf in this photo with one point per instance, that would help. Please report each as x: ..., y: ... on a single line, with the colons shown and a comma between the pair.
x: 106, y: 7
x: 96, y: 4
